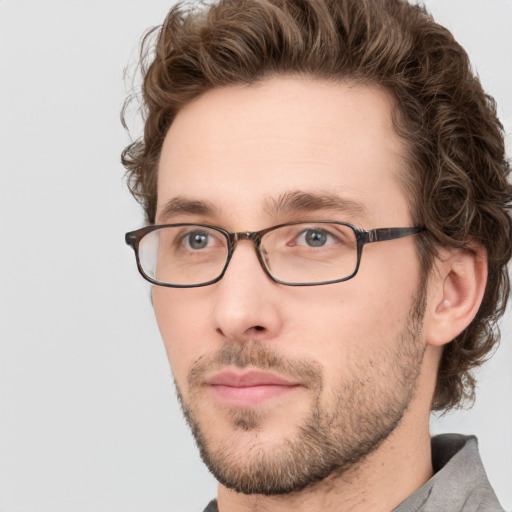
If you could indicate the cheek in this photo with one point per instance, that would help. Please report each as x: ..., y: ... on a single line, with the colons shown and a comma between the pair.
x: 347, y: 323
x: 181, y: 326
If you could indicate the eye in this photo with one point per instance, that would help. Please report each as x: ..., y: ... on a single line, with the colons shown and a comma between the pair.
x: 315, y: 237
x: 197, y: 240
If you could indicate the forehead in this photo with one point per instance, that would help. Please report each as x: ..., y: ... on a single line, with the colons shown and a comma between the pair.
x: 242, y: 148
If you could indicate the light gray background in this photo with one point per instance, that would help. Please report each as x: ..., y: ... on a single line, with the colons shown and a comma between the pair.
x: 88, y: 419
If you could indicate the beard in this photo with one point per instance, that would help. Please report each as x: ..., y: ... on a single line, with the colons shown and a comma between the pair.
x: 342, y: 427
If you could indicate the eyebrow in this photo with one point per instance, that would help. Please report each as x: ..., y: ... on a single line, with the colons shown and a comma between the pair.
x: 295, y: 202
x: 183, y: 206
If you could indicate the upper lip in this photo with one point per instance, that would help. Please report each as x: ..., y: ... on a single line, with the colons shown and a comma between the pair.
x: 248, y: 379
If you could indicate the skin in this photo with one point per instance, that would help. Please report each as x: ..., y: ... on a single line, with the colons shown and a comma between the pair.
x: 238, y: 149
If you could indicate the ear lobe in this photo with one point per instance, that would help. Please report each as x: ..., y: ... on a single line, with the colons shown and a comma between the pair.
x: 456, y: 290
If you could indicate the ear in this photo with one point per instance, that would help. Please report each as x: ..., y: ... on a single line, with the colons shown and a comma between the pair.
x: 455, y: 292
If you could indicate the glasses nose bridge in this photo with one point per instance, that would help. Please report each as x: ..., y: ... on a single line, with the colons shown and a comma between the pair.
x: 252, y: 236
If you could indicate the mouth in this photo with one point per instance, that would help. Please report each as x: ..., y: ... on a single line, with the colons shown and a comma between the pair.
x: 249, y: 388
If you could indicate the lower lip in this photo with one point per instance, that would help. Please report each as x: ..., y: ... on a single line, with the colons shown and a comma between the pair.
x: 249, y: 396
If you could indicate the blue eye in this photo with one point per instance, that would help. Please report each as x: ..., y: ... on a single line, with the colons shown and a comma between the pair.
x: 197, y: 239
x: 315, y: 237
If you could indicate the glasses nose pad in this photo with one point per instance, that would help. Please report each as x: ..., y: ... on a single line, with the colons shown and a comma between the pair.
x: 264, y: 256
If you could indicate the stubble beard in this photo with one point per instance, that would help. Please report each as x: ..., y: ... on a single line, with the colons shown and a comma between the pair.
x: 340, y: 431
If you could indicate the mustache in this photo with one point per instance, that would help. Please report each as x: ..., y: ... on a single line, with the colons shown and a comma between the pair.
x: 256, y: 355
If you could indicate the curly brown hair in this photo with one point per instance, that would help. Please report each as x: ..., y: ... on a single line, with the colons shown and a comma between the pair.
x: 458, y: 180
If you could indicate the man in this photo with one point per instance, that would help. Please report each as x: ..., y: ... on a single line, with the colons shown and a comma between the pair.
x: 328, y: 232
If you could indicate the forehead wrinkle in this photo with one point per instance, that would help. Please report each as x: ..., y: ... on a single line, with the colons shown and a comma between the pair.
x: 183, y: 206
x: 298, y: 201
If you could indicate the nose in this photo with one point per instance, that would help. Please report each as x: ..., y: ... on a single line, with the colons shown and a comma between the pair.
x: 246, y: 299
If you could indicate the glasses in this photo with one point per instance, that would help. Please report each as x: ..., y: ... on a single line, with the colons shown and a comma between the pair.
x: 294, y: 254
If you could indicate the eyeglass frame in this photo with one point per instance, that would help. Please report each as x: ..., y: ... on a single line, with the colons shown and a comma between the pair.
x: 363, y: 237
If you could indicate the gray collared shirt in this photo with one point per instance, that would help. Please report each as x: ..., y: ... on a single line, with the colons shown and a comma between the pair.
x: 459, y: 482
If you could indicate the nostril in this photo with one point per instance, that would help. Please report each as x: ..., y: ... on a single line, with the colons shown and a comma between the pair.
x: 259, y: 328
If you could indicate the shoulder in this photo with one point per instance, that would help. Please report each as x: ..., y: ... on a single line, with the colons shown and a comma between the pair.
x: 212, y: 507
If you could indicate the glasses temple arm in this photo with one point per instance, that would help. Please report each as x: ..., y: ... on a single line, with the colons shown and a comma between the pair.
x: 382, y: 234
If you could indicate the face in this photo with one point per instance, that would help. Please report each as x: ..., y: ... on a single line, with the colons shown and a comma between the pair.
x: 282, y: 385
